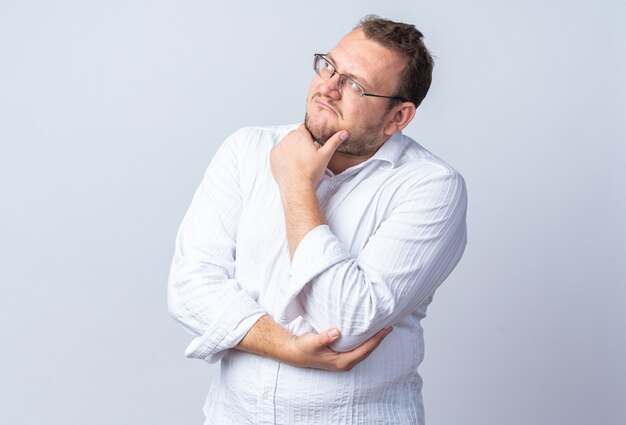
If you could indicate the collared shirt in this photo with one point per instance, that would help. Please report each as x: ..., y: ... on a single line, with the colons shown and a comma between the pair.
x: 396, y: 229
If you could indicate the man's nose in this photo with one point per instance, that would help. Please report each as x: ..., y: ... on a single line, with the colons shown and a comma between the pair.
x: 330, y: 87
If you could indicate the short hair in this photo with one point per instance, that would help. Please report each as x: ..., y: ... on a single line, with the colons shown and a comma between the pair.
x: 407, y: 40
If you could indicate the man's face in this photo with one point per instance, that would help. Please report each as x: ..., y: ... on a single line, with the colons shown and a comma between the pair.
x: 376, y: 69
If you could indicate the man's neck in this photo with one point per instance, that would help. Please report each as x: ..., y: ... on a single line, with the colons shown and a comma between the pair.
x: 341, y: 161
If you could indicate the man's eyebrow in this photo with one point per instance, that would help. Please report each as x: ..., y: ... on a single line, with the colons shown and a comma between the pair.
x: 349, y: 74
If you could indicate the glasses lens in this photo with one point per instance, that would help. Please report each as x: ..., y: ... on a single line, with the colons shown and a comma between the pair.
x: 322, y: 67
x: 346, y: 86
x: 351, y: 88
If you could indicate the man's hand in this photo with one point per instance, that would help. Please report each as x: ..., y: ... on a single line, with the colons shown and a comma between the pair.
x: 268, y: 338
x: 312, y: 350
x: 298, y: 164
x: 297, y: 160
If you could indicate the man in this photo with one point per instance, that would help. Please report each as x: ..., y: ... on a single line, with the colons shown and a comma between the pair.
x: 305, y: 244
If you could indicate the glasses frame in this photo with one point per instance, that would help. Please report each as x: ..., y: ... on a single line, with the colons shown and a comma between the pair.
x: 343, y: 78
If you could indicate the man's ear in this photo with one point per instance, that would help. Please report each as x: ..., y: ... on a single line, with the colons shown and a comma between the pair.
x: 400, y: 116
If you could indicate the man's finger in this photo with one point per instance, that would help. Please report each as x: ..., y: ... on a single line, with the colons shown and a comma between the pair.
x: 361, y: 352
x: 346, y: 361
x: 333, y: 143
x: 328, y: 337
x: 370, y: 345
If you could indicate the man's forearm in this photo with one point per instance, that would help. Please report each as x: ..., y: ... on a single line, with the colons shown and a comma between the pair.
x: 302, y: 212
x: 266, y: 338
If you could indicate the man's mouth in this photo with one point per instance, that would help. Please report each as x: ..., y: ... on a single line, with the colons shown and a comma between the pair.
x: 325, y: 105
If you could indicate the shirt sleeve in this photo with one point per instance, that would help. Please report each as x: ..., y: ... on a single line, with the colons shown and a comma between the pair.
x: 410, y: 254
x: 203, y: 294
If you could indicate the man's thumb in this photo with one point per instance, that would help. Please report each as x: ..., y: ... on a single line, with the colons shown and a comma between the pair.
x: 333, y: 143
x: 328, y: 337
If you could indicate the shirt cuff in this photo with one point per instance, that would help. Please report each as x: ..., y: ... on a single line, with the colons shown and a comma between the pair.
x: 317, y: 251
x: 239, y: 314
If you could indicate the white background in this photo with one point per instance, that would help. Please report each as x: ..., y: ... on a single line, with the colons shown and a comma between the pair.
x: 110, y: 111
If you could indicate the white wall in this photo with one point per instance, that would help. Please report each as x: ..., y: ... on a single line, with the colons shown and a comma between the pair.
x: 110, y: 112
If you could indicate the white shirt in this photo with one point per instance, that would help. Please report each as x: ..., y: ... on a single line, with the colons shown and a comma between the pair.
x: 396, y: 229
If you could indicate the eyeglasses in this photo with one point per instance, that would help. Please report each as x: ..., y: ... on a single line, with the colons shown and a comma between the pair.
x: 347, y: 86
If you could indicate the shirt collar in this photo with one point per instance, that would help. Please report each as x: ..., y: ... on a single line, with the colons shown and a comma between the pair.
x: 390, y: 151
x: 387, y: 155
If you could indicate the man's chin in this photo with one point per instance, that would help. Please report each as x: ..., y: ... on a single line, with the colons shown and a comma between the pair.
x: 319, y: 132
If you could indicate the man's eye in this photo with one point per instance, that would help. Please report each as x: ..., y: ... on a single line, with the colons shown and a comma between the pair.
x: 354, y: 86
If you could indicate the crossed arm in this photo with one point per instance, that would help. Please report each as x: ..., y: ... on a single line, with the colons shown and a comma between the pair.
x: 402, y: 263
x: 201, y: 269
